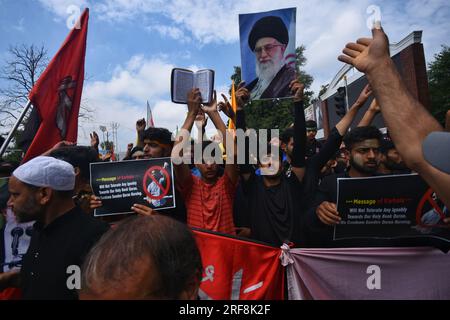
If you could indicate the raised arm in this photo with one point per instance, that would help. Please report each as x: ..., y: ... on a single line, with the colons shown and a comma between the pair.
x: 213, y: 113
x: 201, y: 120
x: 370, y: 114
x: 140, y: 128
x: 182, y: 171
x: 345, y: 123
x: 407, y: 120
x: 242, y: 97
x: 335, y: 138
x: 299, y: 150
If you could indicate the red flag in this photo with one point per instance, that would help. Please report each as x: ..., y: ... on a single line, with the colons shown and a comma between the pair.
x: 57, y: 93
x: 235, y: 269
x: 150, y: 123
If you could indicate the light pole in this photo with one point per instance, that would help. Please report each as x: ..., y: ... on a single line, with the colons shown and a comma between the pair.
x: 103, y: 129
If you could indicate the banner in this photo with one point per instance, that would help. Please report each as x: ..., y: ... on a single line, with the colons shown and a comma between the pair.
x: 368, y: 274
x: 235, y: 269
x: 267, y: 41
x: 14, y: 237
x: 391, y: 207
x: 57, y: 94
x: 122, y: 184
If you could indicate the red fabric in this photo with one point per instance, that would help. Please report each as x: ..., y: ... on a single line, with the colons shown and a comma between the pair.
x: 232, y: 268
x: 209, y: 206
x: 11, y: 294
x: 48, y: 97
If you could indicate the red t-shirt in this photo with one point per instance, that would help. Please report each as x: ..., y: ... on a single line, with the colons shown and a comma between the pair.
x: 209, y: 206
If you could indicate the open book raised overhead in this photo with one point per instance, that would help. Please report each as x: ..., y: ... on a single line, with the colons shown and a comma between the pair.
x: 183, y: 81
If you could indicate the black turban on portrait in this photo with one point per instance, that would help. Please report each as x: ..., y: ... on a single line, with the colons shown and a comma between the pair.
x: 268, y: 27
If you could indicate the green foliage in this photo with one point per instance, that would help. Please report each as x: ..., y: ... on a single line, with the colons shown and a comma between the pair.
x: 14, y: 156
x: 304, y: 77
x: 236, y: 77
x: 13, y: 153
x: 269, y: 114
x: 107, y: 145
x: 439, y: 84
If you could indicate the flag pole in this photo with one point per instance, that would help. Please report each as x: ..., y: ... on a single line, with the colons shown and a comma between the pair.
x: 11, y: 133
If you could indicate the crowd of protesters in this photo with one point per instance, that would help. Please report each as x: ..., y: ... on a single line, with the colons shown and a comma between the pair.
x: 287, y: 197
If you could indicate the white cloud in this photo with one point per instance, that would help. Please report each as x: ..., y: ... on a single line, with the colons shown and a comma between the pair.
x: 123, y: 99
x: 216, y: 21
x: 324, y: 27
x: 140, y: 79
x: 119, y: 10
x: 60, y: 7
x: 20, y: 25
x: 323, y: 49
x: 169, y: 32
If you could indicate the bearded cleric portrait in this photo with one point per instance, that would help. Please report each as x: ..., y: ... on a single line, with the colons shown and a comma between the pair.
x: 268, y: 52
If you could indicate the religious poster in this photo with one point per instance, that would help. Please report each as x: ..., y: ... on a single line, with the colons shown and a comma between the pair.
x: 267, y: 41
x: 120, y: 185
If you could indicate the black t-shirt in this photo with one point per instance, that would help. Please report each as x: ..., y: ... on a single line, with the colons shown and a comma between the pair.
x: 240, y: 209
x: 62, y: 243
x: 315, y: 164
x: 276, y: 211
x: 312, y: 147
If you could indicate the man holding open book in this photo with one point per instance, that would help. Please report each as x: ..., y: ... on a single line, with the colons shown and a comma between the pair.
x: 209, y: 198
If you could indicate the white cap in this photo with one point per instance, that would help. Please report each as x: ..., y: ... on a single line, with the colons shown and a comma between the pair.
x: 47, y: 172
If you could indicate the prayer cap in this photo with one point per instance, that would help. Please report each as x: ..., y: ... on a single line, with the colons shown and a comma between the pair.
x: 47, y: 172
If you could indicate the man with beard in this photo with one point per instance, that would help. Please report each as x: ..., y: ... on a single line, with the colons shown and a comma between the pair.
x: 268, y: 40
x: 80, y: 157
x: 391, y: 162
x: 275, y: 199
x: 363, y: 144
x: 157, y: 143
x: 42, y: 190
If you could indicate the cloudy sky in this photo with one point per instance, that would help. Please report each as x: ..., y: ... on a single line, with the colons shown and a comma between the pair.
x: 134, y: 44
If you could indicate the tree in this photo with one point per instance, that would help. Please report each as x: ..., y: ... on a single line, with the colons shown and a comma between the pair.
x: 276, y: 113
x: 323, y: 89
x: 107, y: 145
x: 236, y: 77
x: 14, y: 154
x: 439, y: 84
x: 20, y: 72
x: 303, y: 76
